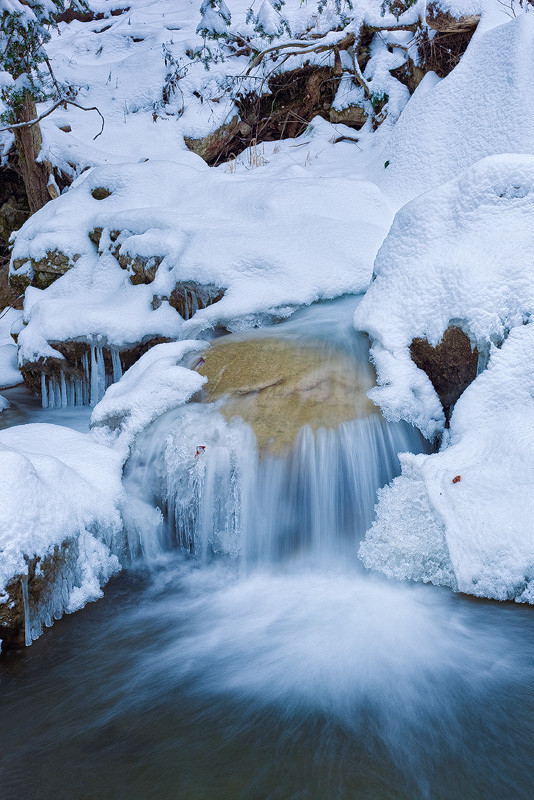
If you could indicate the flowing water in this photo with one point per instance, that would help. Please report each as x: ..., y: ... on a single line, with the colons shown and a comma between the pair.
x: 246, y: 654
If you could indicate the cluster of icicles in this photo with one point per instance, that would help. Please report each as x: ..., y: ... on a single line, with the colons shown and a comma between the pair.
x: 89, y: 390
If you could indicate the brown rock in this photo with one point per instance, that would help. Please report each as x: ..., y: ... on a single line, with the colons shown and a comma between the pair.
x: 278, y: 385
x: 100, y: 193
x: 451, y: 365
x: 353, y: 116
x: 211, y: 145
x: 444, y: 22
x: 40, y: 579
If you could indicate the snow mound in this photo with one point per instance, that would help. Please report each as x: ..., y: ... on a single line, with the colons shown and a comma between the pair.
x: 61, y: 498
x: 463, y: 517
x: 460, y: 254
x: 269, y: 241
x: 463, y: 254
x: 483, y: 107
x: 153, y: 385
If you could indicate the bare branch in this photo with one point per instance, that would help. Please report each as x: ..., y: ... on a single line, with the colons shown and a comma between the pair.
x: 314, y: 45
x: 62, y: 102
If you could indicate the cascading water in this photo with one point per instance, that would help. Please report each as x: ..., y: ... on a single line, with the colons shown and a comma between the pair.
x: 218, y: 494
x: 301, y: 478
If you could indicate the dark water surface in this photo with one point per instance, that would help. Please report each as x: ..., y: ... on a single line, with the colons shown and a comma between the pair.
x: 203, y: 685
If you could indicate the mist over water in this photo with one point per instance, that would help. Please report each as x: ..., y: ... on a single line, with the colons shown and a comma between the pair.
x: 246, y: 654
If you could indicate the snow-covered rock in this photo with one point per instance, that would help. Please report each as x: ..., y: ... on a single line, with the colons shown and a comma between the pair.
x: 153, y: 385
x: 271, y: 241
x: 460, y: 254
x: 463, y: 517
x: 60, y: 525
x: 483, y: 107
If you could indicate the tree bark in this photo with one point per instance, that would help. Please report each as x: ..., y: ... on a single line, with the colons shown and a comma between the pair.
x: 28, y: 141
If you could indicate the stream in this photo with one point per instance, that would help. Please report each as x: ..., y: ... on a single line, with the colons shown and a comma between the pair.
x: 245, y: 653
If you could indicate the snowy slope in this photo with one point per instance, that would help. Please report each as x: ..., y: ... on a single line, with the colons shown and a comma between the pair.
x: 484, y: 106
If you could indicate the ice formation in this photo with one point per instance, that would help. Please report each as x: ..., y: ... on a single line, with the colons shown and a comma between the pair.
x: 9, y: 371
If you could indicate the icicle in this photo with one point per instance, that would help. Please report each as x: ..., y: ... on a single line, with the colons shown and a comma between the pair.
x: 26, y: 604
x: 116, y: 365
x: 98, y: 375
x: 64, y: 401
x: 44, y: 393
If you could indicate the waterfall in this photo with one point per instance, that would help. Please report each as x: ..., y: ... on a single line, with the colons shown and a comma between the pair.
x: 219, y: 496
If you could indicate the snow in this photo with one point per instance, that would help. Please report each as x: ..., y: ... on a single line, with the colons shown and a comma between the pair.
x: 474, y: 534
x: 153, y: 385
x: 280, y: 226
x: 483, y: 107
x: 9, y: 371
x: 59, y: 488
x: 249, y: 234
x: 462, y: 253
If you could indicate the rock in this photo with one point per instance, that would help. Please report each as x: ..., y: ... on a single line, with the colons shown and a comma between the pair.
x: 42, y: 576
x: 72, y: 363
x: 20, y: 275
x: 451, y: 365
x: 14, y: 208
x: 353, y: 116
x: 100, y: 193
x: 187, y: 298
x: 445, y: 22
x: 214, y: 143
x: 45, y: 271
x: 142, y: 268
x: 277, y: 385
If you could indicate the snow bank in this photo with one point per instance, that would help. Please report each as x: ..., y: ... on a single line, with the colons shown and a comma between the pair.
x: 475, y: 534
x: 483, y: 107
x: 462, y: 253
x: 271, y: 241
x: 61, y: 497
x: 153, y: 385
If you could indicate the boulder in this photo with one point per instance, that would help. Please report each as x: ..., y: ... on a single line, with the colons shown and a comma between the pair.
x: 42, y: 272
x: 277, y: 385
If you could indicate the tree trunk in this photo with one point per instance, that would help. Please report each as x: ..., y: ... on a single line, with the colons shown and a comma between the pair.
x: 28, y: 141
